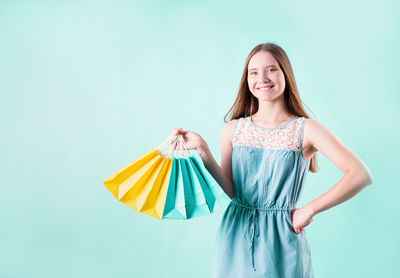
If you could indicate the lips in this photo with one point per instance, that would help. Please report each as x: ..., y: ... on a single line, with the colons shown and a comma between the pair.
x: 265, y: 88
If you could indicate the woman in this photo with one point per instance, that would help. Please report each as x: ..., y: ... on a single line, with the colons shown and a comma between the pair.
x: 268, y: 146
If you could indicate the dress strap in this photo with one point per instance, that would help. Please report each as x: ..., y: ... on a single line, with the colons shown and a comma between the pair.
x: 302, y: 132
x: 234, y: 131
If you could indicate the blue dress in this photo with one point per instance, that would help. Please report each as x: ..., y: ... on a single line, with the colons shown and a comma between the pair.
x: 256, y: 236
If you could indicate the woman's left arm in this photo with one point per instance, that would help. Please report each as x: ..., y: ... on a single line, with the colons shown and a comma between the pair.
x: 356, y: 173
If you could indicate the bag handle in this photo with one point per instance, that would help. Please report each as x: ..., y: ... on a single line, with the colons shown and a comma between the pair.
x: 174, y: 147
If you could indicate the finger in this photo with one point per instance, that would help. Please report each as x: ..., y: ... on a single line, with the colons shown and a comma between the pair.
x: 180, y: 132
x: 174, y: 131
x: 307, y: 223
x: 177, y: 131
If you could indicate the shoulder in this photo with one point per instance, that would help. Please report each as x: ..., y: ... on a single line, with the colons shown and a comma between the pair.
x: 314, y: 126
x: 228, y: 130
x: 315, y: 132
x: 230, y: 126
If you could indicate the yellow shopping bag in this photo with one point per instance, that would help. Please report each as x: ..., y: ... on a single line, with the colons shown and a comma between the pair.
x: 164, y: 183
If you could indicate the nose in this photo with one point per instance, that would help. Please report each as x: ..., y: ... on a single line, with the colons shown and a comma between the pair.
x: 263, y: 77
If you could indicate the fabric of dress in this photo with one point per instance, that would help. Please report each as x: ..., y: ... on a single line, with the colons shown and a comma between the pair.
x: 256, y: 236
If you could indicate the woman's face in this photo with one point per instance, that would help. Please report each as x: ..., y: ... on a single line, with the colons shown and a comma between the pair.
x: 263, y: 72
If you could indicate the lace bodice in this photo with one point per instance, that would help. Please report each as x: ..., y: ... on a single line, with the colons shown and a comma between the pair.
x: 288, y: 136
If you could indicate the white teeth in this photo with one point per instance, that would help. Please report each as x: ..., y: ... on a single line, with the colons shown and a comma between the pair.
x: 265, y: 88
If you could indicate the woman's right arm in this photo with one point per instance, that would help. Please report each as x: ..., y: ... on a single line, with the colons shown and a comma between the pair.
x: 222, y: 174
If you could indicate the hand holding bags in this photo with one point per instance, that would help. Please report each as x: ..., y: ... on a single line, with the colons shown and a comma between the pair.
x: 167, y: 182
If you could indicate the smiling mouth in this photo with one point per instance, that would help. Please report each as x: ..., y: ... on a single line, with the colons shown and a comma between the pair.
x: 266, y: 88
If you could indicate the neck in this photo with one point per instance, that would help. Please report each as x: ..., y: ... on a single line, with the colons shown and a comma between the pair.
x: 271, y: 112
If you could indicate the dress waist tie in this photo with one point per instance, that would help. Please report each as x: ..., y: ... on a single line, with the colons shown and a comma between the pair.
x: 253, y: 229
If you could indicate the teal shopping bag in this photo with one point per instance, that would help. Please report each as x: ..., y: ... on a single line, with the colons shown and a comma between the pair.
x: 175, y: 201
x: 214, y: 195
x: 195, y: 195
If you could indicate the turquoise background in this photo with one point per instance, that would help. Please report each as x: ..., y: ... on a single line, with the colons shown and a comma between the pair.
x: 86, y: 87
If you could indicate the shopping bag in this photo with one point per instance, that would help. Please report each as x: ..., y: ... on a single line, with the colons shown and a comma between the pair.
x: 168, y: 182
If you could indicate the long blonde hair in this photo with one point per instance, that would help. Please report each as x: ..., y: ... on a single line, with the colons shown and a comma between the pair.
x: 246, y: 104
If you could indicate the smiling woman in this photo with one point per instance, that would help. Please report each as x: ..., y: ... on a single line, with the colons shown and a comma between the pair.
x: 268, y: 147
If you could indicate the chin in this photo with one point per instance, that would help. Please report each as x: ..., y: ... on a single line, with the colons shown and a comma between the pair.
x: 267, y: 98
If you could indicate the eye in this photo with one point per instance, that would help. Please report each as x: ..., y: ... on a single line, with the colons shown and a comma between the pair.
x: 252, y: 72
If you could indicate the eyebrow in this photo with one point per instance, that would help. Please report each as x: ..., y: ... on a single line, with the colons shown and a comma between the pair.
x: 265, y: 67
